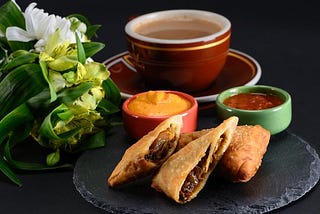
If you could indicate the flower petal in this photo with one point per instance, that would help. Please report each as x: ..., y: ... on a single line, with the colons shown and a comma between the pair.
x: 18, y: 34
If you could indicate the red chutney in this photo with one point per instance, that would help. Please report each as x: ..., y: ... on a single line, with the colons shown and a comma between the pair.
x: 253, y: 101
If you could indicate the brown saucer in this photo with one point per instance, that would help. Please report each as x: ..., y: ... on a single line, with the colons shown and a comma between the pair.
x: 240, y: 69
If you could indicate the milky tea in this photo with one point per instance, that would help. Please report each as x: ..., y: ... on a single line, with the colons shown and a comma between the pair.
x: 177, y: 28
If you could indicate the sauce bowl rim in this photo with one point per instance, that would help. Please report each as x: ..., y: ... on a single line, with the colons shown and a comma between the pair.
x: 238, y: 89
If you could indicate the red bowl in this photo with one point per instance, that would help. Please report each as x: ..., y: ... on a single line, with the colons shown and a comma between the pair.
x: 138, y: 125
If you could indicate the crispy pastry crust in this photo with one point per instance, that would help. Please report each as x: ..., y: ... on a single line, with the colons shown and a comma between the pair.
x: 187, y: 137
x: 244, y: 156
x: 134, y: 164
x: 173, y: 173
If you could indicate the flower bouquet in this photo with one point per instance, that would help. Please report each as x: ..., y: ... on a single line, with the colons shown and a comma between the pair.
x: 52, y: 93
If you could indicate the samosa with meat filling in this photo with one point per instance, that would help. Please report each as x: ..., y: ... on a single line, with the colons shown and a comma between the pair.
x: 147, y: 154
x: 244, y: 155
x: 185, y: 172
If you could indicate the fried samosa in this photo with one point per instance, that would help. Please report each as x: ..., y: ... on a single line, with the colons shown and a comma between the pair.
x: 185, y: 172
x: 244, y: 156
x: 148, y: 153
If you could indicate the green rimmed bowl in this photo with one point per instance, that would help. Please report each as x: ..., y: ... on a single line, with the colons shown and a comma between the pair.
x: 275, y: 119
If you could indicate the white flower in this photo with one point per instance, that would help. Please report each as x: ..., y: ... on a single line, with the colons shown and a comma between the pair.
x: 39, y: 27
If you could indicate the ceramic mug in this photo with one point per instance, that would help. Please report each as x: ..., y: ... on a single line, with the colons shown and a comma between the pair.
x: 179, y: 49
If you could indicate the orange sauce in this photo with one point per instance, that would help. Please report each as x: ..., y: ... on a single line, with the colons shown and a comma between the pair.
x: 253, y: 101
x: 159, y: 103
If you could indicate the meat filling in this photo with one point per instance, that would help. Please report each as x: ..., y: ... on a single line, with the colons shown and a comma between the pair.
x: 193, y: 179
x: 198, y: 172
x: 162, y: 147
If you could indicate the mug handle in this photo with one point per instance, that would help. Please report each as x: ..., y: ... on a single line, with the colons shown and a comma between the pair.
x: 128, y: 59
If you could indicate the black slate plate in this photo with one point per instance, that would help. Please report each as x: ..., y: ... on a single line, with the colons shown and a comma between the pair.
x: 290, y: 168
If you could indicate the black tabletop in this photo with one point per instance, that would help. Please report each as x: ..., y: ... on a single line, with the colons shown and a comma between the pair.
x: 283, y: 38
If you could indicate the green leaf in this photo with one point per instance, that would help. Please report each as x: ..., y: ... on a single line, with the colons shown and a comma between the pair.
x: 91, y: 31
x: 10, y: 15
x: 5, y: 169
x: 46, y: 130
x: 66, y: 96
x: 21, y: 57
x: 19, y: 85
x: 69, y: 95
x: 41, y: 100
x: 21, y: 116
x: 19, y: 136
x: 95, y: 141
x: 44, y: 70
x: 81, y: 53
x: 91, y: 48
x: 106, y: 107
x: 4, y: 44
x: 66, y: 115
x: 29, y: 166
x: 15, y: 118
x: 111, y: 104
x: 18, y: 45
x: 112, y: 91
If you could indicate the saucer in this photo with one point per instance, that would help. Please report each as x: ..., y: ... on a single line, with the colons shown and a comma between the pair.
x: 240, y: 69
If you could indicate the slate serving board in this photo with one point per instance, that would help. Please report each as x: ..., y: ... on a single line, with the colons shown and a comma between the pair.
x: 290, y: 168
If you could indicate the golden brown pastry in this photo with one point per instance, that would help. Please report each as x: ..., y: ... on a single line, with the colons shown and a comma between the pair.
x: 148, y: 153
x: 243, y: 158
x: 187, y: 137
x: 185, y: 173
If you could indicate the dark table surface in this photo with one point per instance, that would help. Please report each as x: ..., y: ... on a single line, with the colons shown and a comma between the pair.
x: 283, y: 38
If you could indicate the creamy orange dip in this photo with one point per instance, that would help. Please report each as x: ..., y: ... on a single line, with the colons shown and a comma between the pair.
x: 159, y: 103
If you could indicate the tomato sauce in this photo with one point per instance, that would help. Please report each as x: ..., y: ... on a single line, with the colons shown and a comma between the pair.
x: 253, y: 101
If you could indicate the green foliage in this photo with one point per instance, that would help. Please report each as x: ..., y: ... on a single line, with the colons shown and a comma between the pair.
x: 59, y: 99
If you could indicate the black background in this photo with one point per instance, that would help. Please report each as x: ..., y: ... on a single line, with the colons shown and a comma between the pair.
x: 283, y: 38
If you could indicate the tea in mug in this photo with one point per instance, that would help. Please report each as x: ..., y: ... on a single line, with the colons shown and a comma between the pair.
x: 180, y: 28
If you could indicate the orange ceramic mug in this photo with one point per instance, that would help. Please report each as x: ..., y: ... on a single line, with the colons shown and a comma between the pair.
x: 179, y: 49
